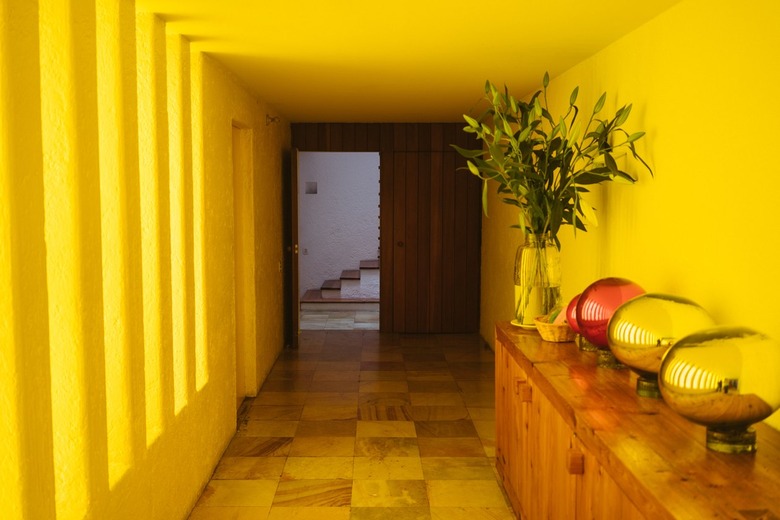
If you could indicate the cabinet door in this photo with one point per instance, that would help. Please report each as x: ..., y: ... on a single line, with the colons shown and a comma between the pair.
x: 550, y: 486
x: 511, y: 416
x: 598, y: 496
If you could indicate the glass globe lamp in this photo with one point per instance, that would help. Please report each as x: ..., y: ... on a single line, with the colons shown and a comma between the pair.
x: 596, y: 305
x: 645, y: 327
x: 725, y: 378
x: 571, y: 319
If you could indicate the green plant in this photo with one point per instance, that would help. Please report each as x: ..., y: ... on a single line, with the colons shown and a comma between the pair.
x: 543, y: 165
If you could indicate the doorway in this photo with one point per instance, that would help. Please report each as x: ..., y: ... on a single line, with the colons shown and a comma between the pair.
x: 338, y: 240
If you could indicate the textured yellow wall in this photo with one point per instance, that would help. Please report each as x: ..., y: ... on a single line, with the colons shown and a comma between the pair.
x: 703, y: 79
x: 117, y: 314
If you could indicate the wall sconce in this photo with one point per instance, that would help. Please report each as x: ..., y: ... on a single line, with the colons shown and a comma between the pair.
x: 271, y: 119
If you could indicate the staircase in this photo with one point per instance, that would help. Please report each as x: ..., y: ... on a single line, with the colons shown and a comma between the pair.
x: 356, y: 289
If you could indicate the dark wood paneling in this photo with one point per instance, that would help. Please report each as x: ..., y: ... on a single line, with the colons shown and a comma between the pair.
x: 398, y: 290
x: 430, y: 220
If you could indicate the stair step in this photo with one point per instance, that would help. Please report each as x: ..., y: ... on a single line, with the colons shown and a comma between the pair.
x: 331, y: 284
x: 350, y: 274
x: 369, y: 264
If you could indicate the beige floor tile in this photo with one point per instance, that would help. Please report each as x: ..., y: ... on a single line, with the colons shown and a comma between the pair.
x: 383, y: 375
x: 382, y: 447
x: 450, y: 447
x: 238, y: 493
x: 388, y: 468
x: 309, y: 513
x: 336, y: 386
x: 465, y: 493
x: 390, y: 513
x: 229, y: 513
x: 386, y: 429
x: 254, y: 468
x: 459, y: 428
x: 389, y: 493
x: 298, y: 468
x: 482, y: 414
x: 335, y: 375
x: 383, y: 386
x: 439, y: 413
x: 472, y: 513
x: 252, y: 428
x: 436, y: 399
x: 381, y: 356
x: 332, y: 398
x: 338, y: 365
x: 280, y: 398
x: 384, y: 399
x: 275, y: 412
x: 329, y: 413
x: 322, y: 447
x: 457, y: 468
x: 326, y: 428
x: 313, y: 493
x: 363, y: 425
x: 429, y: 375
x: 370, y: 412
x: 258, y: 447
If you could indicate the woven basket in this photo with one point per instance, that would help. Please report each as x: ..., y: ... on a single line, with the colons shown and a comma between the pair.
x: 557, y: 333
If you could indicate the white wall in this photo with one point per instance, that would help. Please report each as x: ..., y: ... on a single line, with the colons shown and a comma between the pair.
x: 339, y: 226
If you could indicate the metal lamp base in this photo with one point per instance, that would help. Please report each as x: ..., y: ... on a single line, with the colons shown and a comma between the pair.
x: 738, y: 440
x: 648, y: 388
x: 584, y: 344
x: 607, y: 359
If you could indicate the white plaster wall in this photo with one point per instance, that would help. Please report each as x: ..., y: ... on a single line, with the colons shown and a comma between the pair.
x: 339, y: 226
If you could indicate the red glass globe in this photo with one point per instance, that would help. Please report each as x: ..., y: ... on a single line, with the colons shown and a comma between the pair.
x: 571, y: 314
x: 599, y: 302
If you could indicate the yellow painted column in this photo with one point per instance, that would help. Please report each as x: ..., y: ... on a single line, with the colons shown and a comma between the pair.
x: 155, y: 222
x: 73, y: 248
x: 200, y: 328
x: 180, y: 160
x: 26, y: 452
x: 121, y: 235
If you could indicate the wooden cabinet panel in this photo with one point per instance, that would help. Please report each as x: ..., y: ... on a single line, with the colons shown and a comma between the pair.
x: 574, y: 441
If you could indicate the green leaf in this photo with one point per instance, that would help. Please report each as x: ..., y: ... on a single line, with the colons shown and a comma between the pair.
x: 473, y: 168
x: 485, y: 197
x: 635, y: 136
x: 546, y: 79
x: 610, y: 162
x: 470, y: 154
x: 573, y: 97
x: 622, y: 115
x: 600, y: 103
x: 471, y: 121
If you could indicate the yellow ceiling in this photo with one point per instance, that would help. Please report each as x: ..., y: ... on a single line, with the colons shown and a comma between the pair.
x: 399, y: 61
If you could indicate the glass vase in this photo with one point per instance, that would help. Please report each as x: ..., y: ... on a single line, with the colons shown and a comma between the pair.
x: 537, y: 279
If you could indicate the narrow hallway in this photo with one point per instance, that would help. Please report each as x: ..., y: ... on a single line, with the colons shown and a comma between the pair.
x: 362, y: 425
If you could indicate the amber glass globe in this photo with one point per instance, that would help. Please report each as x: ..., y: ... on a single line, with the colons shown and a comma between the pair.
x: 725, y: 378
x: 642, y: 329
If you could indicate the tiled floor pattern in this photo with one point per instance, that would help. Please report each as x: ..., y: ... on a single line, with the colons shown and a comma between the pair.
x: 365, y: 426
x: 339, y: 320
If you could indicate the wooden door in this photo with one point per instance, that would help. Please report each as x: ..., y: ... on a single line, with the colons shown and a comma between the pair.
x: 432, y: 246
x: 430, y: 220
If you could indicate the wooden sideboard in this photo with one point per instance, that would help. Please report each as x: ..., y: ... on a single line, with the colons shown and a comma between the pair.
x: 575, y: 441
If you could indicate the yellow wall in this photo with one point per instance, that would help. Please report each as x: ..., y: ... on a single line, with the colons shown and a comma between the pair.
x: 703, y: 79
x: 117, y: 314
